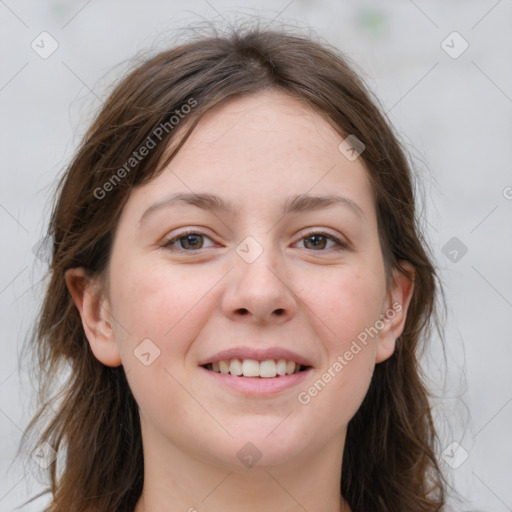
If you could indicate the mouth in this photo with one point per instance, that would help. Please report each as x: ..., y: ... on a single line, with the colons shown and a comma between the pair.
x: 254, y: 369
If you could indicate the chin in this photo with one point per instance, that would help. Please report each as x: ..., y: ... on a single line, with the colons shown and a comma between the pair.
x: 260, y: 447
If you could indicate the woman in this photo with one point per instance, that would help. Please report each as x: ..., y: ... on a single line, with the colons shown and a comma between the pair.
x: 240, y: 290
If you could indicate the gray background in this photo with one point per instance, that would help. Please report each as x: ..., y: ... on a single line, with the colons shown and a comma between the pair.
x: 453, y: 113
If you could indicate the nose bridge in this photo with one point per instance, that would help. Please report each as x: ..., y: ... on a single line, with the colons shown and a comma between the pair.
x: 259, y: 265
x: 259, y: 285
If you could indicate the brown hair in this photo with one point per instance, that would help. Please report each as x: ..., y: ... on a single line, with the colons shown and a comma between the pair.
x: 389, y: 461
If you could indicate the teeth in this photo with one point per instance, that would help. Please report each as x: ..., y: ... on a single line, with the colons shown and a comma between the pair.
x: 268, y: 368
x: 281, y: 367
x: 235, y: 368
x: 252, y: 368
x: 224, y: 367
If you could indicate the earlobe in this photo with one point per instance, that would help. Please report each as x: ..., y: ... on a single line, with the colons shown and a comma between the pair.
x: 394, y: 312
x: 94, y: 312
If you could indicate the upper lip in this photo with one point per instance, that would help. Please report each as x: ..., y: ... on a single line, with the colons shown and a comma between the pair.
x: 257, y: 354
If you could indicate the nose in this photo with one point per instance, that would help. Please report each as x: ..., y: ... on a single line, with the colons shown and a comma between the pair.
x: 259, y: 292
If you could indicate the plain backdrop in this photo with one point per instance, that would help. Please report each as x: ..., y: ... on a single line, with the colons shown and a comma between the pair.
x: 442, y: 72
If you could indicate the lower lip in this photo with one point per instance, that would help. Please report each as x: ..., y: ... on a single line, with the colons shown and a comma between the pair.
x: 257, y: 386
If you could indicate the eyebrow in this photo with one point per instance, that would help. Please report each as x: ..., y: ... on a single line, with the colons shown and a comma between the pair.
x: 294, y: 204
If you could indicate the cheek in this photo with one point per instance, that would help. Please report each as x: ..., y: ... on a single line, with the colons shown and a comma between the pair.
x: 160, y: 311
x: 349, y: 303
x: 349, y: 386
x: 160, y: 302
x: 341, y: 385
x: 348, y: 308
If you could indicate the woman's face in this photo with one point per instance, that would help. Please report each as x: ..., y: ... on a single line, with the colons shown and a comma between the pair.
x: 260, y: 279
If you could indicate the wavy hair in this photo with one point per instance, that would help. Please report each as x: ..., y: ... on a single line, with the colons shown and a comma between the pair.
x: 389, y: 460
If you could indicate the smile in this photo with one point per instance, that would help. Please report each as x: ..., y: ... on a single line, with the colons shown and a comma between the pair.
x: 267, y: 369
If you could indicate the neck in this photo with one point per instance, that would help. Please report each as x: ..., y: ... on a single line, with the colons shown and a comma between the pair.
x: 310, y: 481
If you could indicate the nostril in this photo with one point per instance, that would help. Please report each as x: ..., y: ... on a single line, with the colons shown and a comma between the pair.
x: 278, y: 312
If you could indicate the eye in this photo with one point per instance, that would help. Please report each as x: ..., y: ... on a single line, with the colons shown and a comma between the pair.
x: 319, y: 240
x: 189, y: 241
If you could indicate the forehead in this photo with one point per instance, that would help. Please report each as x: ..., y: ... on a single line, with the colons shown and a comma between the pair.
x: 283, y: 124
x: 258, y: 150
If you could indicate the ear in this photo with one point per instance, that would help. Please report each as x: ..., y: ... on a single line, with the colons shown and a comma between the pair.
x: 96, y: 319
x: 394, y: 312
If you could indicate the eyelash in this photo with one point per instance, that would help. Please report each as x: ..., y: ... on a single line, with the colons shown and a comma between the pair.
x: 168, y: 243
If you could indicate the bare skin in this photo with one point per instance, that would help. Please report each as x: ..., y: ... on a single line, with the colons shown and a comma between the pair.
x: 195, y: 296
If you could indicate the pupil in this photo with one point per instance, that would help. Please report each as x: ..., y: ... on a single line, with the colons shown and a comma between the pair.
x: 194, y: 240
x: 316, y: 238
